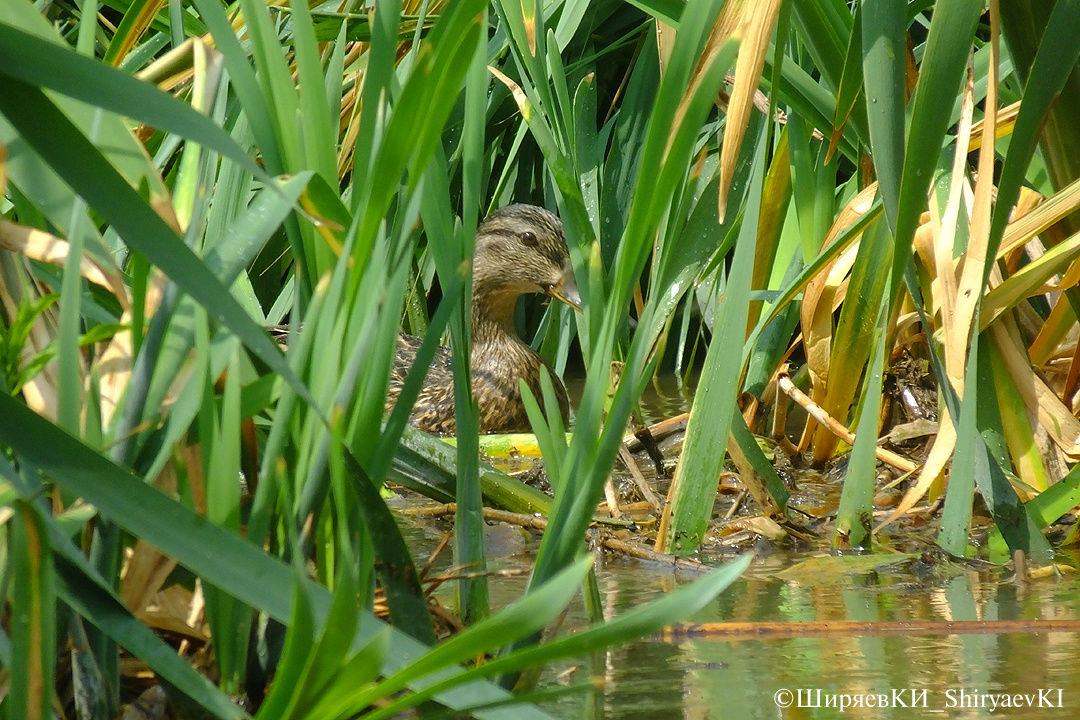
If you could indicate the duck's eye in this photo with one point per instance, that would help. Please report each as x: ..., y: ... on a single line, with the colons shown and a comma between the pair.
x: 529, y: 239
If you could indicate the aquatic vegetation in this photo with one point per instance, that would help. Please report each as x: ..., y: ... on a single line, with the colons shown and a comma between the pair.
x: 748, y: 188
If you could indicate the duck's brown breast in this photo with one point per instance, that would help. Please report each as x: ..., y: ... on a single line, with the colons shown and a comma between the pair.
x: 496, y: 375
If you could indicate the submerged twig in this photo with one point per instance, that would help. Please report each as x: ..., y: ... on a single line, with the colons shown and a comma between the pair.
x: 612, y: 498
x: 641, y: 553
x: 639, y: 478
x: 736, y: 505
x: 1020, y: 577
x: 536, y: 522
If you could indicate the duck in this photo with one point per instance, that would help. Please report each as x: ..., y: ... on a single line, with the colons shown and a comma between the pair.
x: 520, y: 249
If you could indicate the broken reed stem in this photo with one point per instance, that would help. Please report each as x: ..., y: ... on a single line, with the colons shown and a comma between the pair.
x: 521, y: 519
x: 837, y: 428
x: 828, y: 628
x: 659, y: 431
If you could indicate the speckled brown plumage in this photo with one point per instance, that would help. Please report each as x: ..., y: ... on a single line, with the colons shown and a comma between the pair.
x: 520, y: 249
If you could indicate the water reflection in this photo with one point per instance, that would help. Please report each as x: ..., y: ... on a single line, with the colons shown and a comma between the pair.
x: 702, y: 678
x: 665, y: 396
x: 948, y: 676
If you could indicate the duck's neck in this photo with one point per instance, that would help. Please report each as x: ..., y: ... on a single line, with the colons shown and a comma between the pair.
x: 493, y: 318
x: 498, y: 351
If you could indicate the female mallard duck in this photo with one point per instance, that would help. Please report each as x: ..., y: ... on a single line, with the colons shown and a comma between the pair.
x: 519, y: 249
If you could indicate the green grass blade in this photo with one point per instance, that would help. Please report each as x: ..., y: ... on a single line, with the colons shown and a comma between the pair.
x: 470, y: 550
x: 451, y: 250
x: 526, y: 616
x: 668, y: 11
x: 851, y: 81
x: 1024, y: 24
x: 236, y: 566
x: 884, y: 66
x: 956, y: 518
x: 378, y: 86
x: 84, y: 168
x: 1014, y: 527
x: 33, y: 622
x: 229, y: 620
x: 139, y: 14
x: 1055, y: 60
x: 855, y: 516
x: 824, y: 27
x: 711, y: 415
x: 952, y: 31
x: 45, y: 64
x: 638, y: 622
x: 244, y: 82
x: 319, y: 128
x: 1060, y: 498
x: 418, y: 118
x: 1016, y: 426
x: 331, y: 653
x: 397, y: 573
x: 288, y: 687
x: 811, y: 100
x: 69, y: 371
x: 665, y: 157
x: 852, y: 339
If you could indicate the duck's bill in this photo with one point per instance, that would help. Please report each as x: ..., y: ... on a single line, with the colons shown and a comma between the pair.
x: 566, y: 290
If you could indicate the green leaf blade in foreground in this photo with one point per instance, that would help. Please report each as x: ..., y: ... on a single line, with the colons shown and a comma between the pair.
x: 235, y: 565
x: 956, y: 517
x: 666, y: 153
x: 524, y: 617
x: 637, y: 623
x: 33, y: 625
x: 293, y: 667
x: 49, y: 65
x: 470, y: 549
x: 884, y: 55
x: 952, y: 31
x: 397, y: 573
x: 855, y: 516
x: 85, y: 592
x: 1054, y: 62
x: 91, y: 175
x: 694, y: 486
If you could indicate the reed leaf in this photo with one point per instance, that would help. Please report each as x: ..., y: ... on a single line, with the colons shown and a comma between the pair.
x: 687, y: 514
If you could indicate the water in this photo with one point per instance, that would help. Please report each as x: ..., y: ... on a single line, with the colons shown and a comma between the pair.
x: 664, y: 397
x: 948, y: 676
x: 700, y: 677
x: 744, y: 679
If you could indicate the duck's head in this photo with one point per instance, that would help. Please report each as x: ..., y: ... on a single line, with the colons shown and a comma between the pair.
x: 521, y: 249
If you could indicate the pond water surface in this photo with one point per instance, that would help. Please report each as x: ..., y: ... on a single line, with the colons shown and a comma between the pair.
x: 950, y: 676
x: 1022, y: 675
